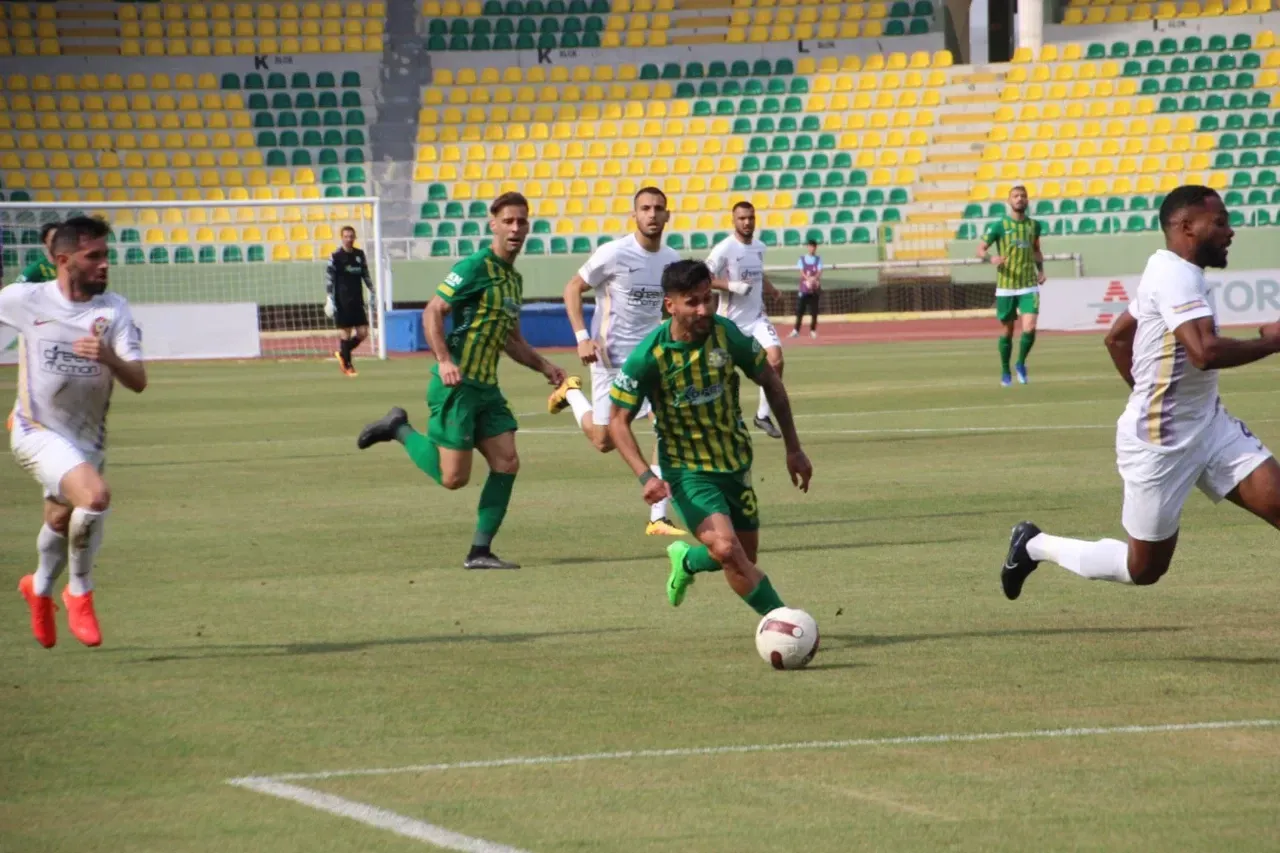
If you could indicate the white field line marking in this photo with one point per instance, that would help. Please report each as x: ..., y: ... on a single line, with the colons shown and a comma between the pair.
x: 903, y: 740
x: 375, y: 817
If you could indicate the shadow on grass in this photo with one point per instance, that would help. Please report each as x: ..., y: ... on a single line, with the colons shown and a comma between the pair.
x: 779, y: 549
x: 853, y: 641
x: 1240, y: 661
x: 268, y: 650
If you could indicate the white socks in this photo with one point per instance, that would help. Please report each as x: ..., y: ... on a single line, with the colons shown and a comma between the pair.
x: 762, y: 411
x: 579, y: 403
x: 658, y: 511
x: 85, y: 532
x: 1104, y: 560
x: 53, y: 559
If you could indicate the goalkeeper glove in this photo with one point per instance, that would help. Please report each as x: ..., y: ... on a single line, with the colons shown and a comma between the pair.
x: 329, y: 307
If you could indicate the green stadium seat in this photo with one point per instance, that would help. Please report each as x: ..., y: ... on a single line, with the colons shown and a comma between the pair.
x: 184, y: 255
x: 258, y: 101
x: 822, y: 217
x: 422, y: 229
x: 230, y: 82
x: 1242, y: 180
x: 649, y: 71
x: 717, y: 69
x: 894, y: 27
x: 741, y: 183
x: 437, y: 192
x: 740, y: 69
x: 694, y: 71
x: 1143, y: 48
x: 328, y: 100
x: 769, y: 237
x: 470, y: 228
x: 1262, y: 218
x: 130, y: 235
x: 1242, y: 41
x: 1236, y: 219
x: 764, y: 181
x: 685, y: 90
x: 454, y: 210
x: 1069, y: 207
x: 466, y: 247
x: 1088, y: 226
x: 301, y: 157
x: 441, y: 248
x: 459, y: 43
x: 1135, y: 224
x: 305, y: 100
x: 857, y: 178
x: 1119, y: 50
x: 1266, y: 178
x: 230, y: 255
x: 279, y: 101
x: 967, y: 231
x: 787, y: 124
x: 671, y: 71
x: 159, y: 255
x: 437, y: 43
x: 1169, y: 46
x: 787, y: 181
x: 676, y: 241
x: 860, y: 235
x: 1248, y: 160
x: 582, y: 245
x: 541, y: 226
x: 331, y: 175
x: 867, y: 214
x: 1044, y: 207
x: 481, y: 28
x: 447, y: 229
x: 276, y: 80
x: 1096, y: 50
x: 1250, y: 62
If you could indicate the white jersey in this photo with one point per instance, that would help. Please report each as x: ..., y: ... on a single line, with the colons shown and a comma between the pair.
x: 738, y: 261
x: 627, y: 279
x: 57, y: 389
x: 1172, y: 400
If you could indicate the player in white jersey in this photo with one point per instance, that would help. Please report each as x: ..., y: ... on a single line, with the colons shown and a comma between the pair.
x: 77, y: 341
x: 626, y: 275
x: 737, y: 262
x: 1174, y: 433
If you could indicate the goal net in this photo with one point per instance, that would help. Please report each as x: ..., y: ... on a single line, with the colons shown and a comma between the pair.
x: 220, y: 279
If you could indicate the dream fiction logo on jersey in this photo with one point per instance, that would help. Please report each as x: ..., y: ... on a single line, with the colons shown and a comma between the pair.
x: 58, y: 358
x: 644, y: 297
x: 1115, y: 300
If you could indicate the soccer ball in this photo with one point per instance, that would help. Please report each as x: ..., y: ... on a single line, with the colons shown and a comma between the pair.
x: 787, y: 638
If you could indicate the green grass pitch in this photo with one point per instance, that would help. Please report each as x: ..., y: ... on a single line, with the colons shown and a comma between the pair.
x: 275, y: 601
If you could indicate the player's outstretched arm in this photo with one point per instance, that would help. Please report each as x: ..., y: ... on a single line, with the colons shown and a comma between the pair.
x: 1119, y: 343
x: 520, y: 352
x: 1038, y: 256
x: 624, y: 440
x: 775, y: 392
x: 1208, y: 351
x: 433, y: 327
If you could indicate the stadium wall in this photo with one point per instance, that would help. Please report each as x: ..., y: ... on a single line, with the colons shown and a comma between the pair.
x: 544, y: 278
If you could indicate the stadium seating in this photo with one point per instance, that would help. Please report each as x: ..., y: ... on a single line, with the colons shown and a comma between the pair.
x: 28, y: 30
x: 1098, y: 132
x: 1126, y: 11
x: 529, y: 24
x: 824, y: 149
x: 227, y: 29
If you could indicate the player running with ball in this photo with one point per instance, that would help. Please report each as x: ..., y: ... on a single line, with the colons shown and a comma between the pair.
x: 687, y: 369
x: 77, y: 342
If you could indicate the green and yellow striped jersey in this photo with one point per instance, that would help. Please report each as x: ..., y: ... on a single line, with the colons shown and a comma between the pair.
x: 484, y: 294
x: 1015, y: 241
x: 693, y: 388
x: 37, y: 271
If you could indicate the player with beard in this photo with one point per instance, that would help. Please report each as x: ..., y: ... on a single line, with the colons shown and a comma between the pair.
x: 626, y: 275
x: 1174, y: 433
x: 77, y: 342
x: 1019, y: 274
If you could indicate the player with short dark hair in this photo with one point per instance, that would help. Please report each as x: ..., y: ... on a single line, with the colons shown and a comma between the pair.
x: 468, y: 411
x: 1019, y: 274
x: 1174, y: 433
x: 346, y: 278
x: 42, y: 269
x: 626, y: 275
x: 78, y: 340
x: 687, y: 369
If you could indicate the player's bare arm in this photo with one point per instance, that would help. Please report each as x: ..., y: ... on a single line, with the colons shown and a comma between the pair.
x: 624, y: 440
x: 1209, y: 351
x: 1039, y: 260
x: 798, y: 465
x: 1119, y: 342
x: 433, y: 326
x: 130, y: 374
x: 520, y: 352
x: 588, y: 352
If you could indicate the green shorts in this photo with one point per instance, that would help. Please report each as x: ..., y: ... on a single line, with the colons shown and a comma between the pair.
x: 466, y: 413
x: 698, y: 494
x: 1009, y: 307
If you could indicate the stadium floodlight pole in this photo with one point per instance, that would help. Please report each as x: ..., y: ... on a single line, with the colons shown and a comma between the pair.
x: 318, y: 343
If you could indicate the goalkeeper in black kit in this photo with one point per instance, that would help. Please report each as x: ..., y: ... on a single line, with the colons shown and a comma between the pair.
x: 346, y: 277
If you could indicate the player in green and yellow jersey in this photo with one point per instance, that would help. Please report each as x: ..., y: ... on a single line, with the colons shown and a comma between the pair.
x: 1019, y: 274
x: 468, y: 412
x: 687, y: 368
x: 42, y: 269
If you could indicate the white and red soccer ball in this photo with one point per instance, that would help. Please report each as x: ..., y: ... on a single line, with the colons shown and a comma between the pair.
x: 787, y: 638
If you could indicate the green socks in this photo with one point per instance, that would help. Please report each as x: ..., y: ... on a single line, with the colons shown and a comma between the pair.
x: 763, y: 599
x: 494, y: 498
x: 422, y: 451
x: 699, y: 560
x: 1006, y: 350
x: 1025, y: 344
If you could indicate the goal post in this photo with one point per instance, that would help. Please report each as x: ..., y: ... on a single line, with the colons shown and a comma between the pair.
x: 238, y: 278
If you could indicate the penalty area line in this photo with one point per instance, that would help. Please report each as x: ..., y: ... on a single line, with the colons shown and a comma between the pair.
x: 375, y: 817
x: 851, y: 743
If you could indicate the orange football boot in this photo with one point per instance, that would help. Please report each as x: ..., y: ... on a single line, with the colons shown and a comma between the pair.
x: 42, y: 607
x: 81, y: 619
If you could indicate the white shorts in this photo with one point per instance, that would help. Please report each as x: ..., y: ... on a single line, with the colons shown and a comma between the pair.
x: 1156, y: 485
x: 764, y: 333
x: 601, y: 381
x: 48, y: 457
